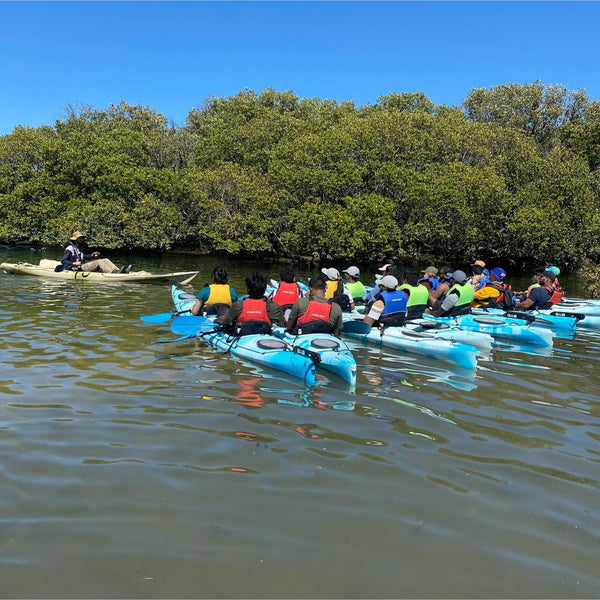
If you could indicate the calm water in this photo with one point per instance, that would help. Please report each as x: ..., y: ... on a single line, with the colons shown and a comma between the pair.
x: 133, y: 469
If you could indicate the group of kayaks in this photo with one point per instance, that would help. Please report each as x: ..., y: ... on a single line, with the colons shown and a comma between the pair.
x: 458, y: 340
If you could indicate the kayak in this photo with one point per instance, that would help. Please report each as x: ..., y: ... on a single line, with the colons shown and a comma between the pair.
x: 263, y: 349
x: 537, y: 318
x: 497, y: 327
x: 335, y: 355
x: 444, y: 331
x: 47, y: 267
x: 415, y: 342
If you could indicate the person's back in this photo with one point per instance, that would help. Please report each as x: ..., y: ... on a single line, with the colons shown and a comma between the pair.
x: 256, y: 313
x: 215, y: 298
x: 336, y: 291
x: 354, y: 286
x: 390, y: 307
x: 288, y: 291
x: 417, y: 294
x: 314, y: 313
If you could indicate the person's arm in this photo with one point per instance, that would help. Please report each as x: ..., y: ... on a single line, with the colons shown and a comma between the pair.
x: 201, y: 300
x: 67, y: 258
x: 449, y: 301
x: 235, y: 310
x: 275, y: 313
x: 436, y: 294
x: 336, y: 320
x: 294, y: 314
x: 525, y: 304
x: 374, y: 312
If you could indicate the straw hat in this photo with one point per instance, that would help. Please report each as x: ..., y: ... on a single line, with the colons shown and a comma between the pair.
x: 76, y: 235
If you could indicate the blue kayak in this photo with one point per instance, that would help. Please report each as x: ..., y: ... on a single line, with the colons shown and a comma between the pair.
x: 335, y: 355
x: 500, y: 328
x: 537, y: 318
x: 266, y: 350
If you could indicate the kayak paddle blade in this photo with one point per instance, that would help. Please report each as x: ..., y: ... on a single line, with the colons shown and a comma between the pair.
x: 192, y: 325
x: 356, y: 327
x: 161, y: 317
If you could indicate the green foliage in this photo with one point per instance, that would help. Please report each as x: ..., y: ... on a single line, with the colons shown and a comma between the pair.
x: 513, y: 176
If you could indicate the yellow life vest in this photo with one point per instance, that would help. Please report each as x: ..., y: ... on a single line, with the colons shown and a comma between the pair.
x: 220, y: 293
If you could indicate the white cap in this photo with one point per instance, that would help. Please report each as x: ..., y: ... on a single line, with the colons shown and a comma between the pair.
x: 331, y: 273
x: 389, y: 282
x: 384, y: 267
x: 352, y: 271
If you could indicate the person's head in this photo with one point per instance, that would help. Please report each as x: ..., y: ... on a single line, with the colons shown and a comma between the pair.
x: 317, y: 285
x: 411, y: 276
x: 389, y: 282
x: 394, y: 272
x: 287, y: 274
x: 445, y: 271
x: 256, y: 284
x: 78, y: 237
x: 477, y: 269
x: 547, y: 278
x: 535, y: 274
x: 426, y: 281
x: 479, y: 263
x: 219, y: 275
x: 352, y: 272
x: 458, y: 276
x: 430, y: 272
x: 331, y: 273
x: 497, y: 274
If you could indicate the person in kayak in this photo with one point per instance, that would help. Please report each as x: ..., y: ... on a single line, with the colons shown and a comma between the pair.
x: 541, y: 296
x: 77, y: 257
x: 336, y: 290
x: 496, y: 293
x: 417, y: 294
x: 354, y: 286
x: 256, y: 313
x: 217, y: 297
x: 314, y: 313
x: 431, y: 273
x: 443, y: 286
x: 458, y: 299
x: 390, y: 308
x: 288, y: 291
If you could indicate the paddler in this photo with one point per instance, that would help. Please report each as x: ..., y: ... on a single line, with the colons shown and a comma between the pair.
x: 217, y: 297
x: 288, y: 290
x: 458, y: 299
x: 314, y: 313
x: 354, y: 286
x: 77, y: 257
x: 256, y: 313
x: 390, y: 306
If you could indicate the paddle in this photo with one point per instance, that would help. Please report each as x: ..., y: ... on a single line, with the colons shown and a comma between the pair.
x: 192, y: 325
x: 162, y: 317
x: 356, y: 327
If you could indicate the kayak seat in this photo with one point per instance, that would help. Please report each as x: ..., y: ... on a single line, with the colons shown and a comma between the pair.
x: 488, y: 321
x: 271, y: 344
x: 325, y: 344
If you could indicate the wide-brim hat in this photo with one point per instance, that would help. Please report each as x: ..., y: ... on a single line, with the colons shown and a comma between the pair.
x: 76, y: 235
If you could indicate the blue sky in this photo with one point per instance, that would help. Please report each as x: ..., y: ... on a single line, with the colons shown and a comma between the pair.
x: 171, y: 56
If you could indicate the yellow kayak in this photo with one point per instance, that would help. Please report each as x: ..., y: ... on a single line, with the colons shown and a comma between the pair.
x: 47, y: 269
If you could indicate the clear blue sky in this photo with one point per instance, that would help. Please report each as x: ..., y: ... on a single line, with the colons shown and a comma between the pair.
x: 171, y: 56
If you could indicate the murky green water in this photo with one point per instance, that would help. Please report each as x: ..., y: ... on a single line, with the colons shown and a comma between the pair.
x: 134, y: 469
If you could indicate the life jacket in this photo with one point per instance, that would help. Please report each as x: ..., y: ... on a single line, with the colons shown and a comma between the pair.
x: 286, y: 294
x: 220, y: 293
x: 335, y: 293
x: 357, y: 290
x: 76, y: 253
x: 253, y: 318
x: 394, y: 308
x: 417, y: 300
x: 505, y: 300
x: 315, y: 319
x: 463, y: 304
x: 555, y: 297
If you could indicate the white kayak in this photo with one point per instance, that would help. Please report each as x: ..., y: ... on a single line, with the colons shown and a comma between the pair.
x: 48, y: 270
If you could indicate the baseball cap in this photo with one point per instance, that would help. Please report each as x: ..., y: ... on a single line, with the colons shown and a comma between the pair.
x: 458, y: 276
x: 479, y: 263
x: 353, y: 271
x: 498, y: 272
x: 331, y: 273
x: 430, y: 270
x: 555, y: 270
x: 389, y: 282
x: 384, y: 268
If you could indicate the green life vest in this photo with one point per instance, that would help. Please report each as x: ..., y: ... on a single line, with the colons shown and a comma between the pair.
x: 417, y: 300
x: 357, y: 289
x: 465, y: 296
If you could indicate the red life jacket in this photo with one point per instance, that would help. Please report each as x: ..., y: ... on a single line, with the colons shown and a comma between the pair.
x: 254, y: 310
x: 556, y: 295
x: 316, y: 311
x: 286, y: 294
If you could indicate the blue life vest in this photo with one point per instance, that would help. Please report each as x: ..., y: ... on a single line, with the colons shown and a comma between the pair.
x: 394, y: 309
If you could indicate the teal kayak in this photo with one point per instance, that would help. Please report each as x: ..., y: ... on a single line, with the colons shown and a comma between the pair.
x: 263, y: 349
x: 424, y: 344
x: 537, y: 318
x: 500, y: 328
x: 335, y: 355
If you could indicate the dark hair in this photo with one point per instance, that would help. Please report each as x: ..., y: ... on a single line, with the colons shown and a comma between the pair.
x: 287, y: 274
x: 477, y: 269
x: 394, y: 271
x: 317, y: 282
x: 219, y: 275
x: 256, y: 283
x: 411, y: 276
x: 446, y: 269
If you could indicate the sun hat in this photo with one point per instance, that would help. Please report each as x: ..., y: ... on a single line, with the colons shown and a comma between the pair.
x: 331, y: 273
x: 389, y: 282
x: 458, y: 276
x: 499, y: 273
x: 352, y: 271
x: 430, y: 270
x: 385, y: 267
x: 479, y: 263
x: 76, y: 235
